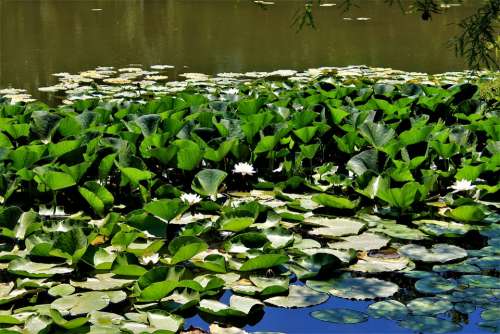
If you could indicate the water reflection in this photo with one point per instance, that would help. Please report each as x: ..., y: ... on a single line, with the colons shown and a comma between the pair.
x: 49, y: 36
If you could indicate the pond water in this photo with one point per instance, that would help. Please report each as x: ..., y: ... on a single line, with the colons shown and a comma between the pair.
x: 41, y: 37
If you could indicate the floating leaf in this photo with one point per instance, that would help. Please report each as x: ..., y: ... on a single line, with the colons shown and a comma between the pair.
x: 83, y: 303
x: 434, y: 285
x: 389, y: 309
x: 429, y: 306
x: 102, y: 282
x: 355, y: 287
x: 236, y: 224
x: 208, y: 181
x: 61, y: 290
x: 365, y: 241
x: 340, y: 316
x: 27, y: 268
x: 334, y: 201
x: 424, y: 324
x: 238, y: 306
x: 298, y: 296
x: 263, y: 262
x: 437, y: 253
x: 480, y: 281
x: 185, y: 247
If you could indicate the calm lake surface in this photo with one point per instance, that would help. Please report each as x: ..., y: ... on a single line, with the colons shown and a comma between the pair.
x: 41, y: 37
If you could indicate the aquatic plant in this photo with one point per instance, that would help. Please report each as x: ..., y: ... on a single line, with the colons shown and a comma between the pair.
x: 119, y: 215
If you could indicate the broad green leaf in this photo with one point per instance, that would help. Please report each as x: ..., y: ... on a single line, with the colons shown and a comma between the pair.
x: 208, y: 181
x: 263, y: 262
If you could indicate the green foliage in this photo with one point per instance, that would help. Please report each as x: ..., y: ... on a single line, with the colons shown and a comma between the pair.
x: 96, y: 214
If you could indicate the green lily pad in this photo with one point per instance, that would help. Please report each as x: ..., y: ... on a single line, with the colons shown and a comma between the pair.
x: 442, y: 228
x: 437, y: 253
x: 491, y: 313
x: 389, y: 309
x: 333, y: 201
x: 8, y: 293
x: 491, y: 325
x: 365, y: 241
x: 425, y: 324
x: 434, y: 285
x: 263, y: 262
x: 461, y: 267
x: 340, y: 316
x: 359, y: 288
x: 27, y: 268
x: 399, y: 231
x: 105, y: 318
x: 86, y: 302
x: 332, y: 228
x: 102, y: 282
x: 298, y: 296
x: 270, y: 285
x: 61, y: 290
x: 487, y: 262
x: 429, y: 306
x: 67, y: 324
x: 238, y: 306
x: 372, y: 263
x: 184, y: 248
x: 480, y: 281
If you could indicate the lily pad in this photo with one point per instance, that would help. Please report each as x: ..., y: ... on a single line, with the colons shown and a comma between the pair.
x: 429, y: 306
x: 86, y: 302
x: 365, y: 241
x: 238, y: 306
x: 425, y: 324
x: 480, y: 281
x: 340, y: 316
x: 24, y: 267
x: 389, y: 309
x: 442, y: 228
x: 61, y: 290
x: 378, y: 262
x: 399, y: 231
x: 359, y: 288
x: 102, y: 282
x: 337, y: 227
x: 437, y: 253
x: 298, y: 296
x: 8, y: 293
x: 434, y: 285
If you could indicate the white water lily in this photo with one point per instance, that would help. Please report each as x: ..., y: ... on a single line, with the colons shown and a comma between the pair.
x: 146, y: 259
x: 243, y: 168
x: 231, y: 91
x: 191, y: 199
x: 462, y: 185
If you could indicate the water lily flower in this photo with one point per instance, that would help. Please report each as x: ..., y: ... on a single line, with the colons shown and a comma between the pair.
x: 146, y: 259
x: 462, y: 185
x: 191, y: 199
x: 243, y: 168
x: 231, y: 91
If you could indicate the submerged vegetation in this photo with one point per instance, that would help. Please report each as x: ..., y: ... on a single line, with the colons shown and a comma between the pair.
x: 129, y: 214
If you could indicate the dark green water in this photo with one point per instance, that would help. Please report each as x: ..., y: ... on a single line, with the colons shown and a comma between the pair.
x: 41, y: 37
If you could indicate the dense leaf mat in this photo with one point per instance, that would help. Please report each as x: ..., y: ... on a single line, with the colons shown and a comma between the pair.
x: 128, y: 216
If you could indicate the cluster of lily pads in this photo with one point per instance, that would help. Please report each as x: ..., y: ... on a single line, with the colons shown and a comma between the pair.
x: 124, y: 215
x: 138, y: 83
